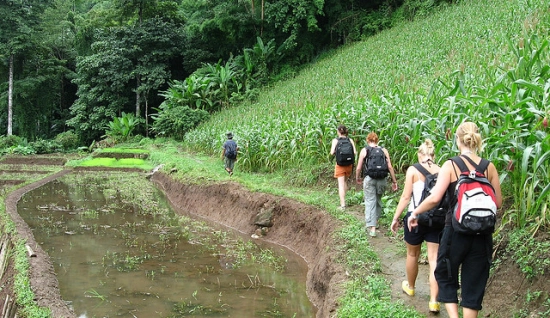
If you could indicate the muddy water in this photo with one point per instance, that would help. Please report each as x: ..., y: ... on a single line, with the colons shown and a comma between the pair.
x: 119, y: 250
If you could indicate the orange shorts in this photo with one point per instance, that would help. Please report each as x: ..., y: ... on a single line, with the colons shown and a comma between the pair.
x: 341, y: 171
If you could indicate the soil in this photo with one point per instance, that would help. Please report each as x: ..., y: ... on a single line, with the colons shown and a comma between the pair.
x: 303, y: 229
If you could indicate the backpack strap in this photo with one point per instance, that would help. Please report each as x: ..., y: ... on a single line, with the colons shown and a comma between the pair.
x: 481, y: 167
x: 425, y: 173
x: 421, y: 169
x: 460, y: 163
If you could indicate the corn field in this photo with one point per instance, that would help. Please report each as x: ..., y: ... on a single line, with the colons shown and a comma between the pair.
x: 478, y: 61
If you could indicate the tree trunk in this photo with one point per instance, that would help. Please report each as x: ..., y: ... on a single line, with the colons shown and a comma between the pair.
x: 138, y: 106
x: 262, y: 28
x: 10, y: 97
x: 146, y: 117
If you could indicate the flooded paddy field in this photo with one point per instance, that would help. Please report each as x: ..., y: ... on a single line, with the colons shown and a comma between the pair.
x: 120, y: 250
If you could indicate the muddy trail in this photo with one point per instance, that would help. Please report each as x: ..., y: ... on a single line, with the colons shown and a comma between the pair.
x: 392, y: 254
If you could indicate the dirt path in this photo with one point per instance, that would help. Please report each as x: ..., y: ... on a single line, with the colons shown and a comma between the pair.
x: 392, y: 257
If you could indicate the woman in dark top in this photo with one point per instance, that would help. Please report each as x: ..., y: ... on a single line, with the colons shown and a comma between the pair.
x: 470, y: 252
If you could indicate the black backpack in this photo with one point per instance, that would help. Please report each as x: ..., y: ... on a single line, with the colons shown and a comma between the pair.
x: 375, y: 164
x: 435, y: 217
x: 344, y: 152
x: 231, y: 149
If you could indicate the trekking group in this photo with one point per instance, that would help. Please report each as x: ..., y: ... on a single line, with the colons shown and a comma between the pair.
x: 452, y: 208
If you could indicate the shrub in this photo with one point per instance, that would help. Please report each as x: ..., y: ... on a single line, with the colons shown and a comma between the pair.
x: 68, y: 140
x: 121, y: 128
x: 7, y: 142
x: 176, y: 122
x: 23, y: 150
x: 42, y: 146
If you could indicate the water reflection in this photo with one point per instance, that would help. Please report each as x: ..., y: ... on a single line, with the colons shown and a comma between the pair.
x: 119, y: 250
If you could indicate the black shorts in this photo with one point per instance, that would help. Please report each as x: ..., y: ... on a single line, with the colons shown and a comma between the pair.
x: 420, y: 233
x: 472, y: 254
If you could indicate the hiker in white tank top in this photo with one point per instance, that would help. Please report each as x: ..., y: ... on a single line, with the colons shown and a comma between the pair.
x: 412, y: 193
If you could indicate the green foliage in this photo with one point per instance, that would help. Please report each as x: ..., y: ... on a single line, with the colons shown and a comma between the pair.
x: 127, y: 66
x: 177, y: 121
x: 45, y: 146
x: 7, y: 142
x: 121, y: 128
x: 68, y: 140
x: 530, y: 254
x: 113, y: 163
x: 370, y: 297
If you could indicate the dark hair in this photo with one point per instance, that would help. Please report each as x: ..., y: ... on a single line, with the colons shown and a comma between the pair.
x: 343, y: 130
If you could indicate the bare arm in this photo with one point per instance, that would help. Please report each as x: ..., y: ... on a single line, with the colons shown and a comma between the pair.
x: 495, y: 182
x: 392, y: 172
x: 362, y: 156
x: 333, y: 146
x: 353, y: 145
x: 405, y: 198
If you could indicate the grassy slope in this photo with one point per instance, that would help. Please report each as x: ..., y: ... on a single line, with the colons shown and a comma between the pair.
x: 471, y: 37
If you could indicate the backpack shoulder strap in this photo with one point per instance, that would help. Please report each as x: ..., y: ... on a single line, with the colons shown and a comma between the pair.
x: 481, y: 167
x: 368, y: 148
x: 460, y: 163
x: 421, y: 169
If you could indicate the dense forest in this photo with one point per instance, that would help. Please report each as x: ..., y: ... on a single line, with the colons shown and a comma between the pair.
x: 117, y: 68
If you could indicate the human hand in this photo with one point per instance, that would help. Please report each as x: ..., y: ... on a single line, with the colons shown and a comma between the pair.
x: 394, y: 186
x: 359, y: 181
x: 394, y: 226
x: 412, y: 221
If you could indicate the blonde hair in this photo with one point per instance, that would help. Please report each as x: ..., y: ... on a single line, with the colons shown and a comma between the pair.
x: 468, y: 134
x: 427, y: 148
x: 372, y: 137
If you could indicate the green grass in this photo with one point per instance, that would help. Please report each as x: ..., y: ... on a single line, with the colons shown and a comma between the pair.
x: 112, y: 163
x: 123, y: 150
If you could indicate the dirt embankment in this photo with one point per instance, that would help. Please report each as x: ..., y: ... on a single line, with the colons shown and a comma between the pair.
x: 303, y: 229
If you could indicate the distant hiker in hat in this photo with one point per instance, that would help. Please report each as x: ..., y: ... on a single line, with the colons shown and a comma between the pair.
x: 229, y: 154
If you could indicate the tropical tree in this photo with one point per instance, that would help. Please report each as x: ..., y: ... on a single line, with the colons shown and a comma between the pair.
x: 130, y: 60
x: 19, y: 18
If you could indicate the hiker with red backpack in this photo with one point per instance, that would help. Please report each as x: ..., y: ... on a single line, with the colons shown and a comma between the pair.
x: 419, y: 179
x: 343, y: 148
x: 374, y: 161
x: 473, y: 185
